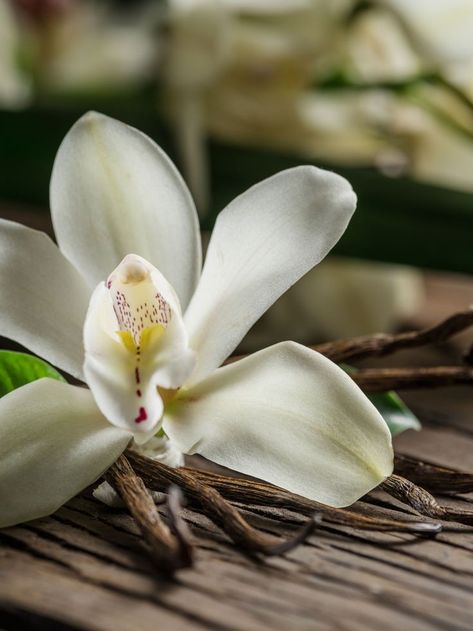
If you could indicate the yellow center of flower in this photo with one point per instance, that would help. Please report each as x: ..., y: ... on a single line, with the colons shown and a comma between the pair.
x: 143, y: 315
x: 142, y: 312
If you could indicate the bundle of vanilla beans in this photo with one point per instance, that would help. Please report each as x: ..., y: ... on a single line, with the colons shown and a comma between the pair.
x: 217, y: 496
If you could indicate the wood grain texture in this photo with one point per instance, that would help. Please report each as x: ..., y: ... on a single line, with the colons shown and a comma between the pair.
x: 84, y: 568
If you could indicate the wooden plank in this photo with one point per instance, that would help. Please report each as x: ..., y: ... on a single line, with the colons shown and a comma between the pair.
x: 92, y: 557
x: 35, y: 592
x: 456, y: 448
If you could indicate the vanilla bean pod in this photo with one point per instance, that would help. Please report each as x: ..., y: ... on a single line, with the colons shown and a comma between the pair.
x: 382, y: 379
x: 265, y: 494
x: 422, y: 501
x: 158, y: 476
x: 178, y: 525
x: 168, y: 552
x: 384, y: 344
x: 432, y: 477
x: 285, y: 499
x: 468, y: 356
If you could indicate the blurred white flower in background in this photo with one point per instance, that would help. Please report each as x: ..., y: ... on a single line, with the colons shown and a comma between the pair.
x: 256, y: 72
x: 430, y: 123
x: 85, y: 47
x: 387, y: 83
x: 441, y: 29
x: 341, y: 298
x: 340, y: 81
x: 93, y: 50
x: 378, y: 49
x: 196, y: 51
x: 437, y: 131
x: 14, y: 86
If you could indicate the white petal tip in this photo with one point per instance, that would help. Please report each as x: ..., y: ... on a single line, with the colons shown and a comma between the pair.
x: 92, y: 117
x: 317, y: 434
x: 91, y: 120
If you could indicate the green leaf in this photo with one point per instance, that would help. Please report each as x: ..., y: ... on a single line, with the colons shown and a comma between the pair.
x: 392, y: 408
x: 395, y: 412
x: 18, y: 369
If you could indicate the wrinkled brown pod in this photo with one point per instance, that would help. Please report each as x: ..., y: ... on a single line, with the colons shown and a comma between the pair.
x: 432, y: 477
x: 422, y: 501
x: 158, y: 477
x: 170, y: 553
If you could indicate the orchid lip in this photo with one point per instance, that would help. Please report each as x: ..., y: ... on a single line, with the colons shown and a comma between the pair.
x: 137, y: 302
x: 149, y: 358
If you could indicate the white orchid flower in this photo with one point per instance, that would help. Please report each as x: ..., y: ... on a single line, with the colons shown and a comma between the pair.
x: 156, y: 330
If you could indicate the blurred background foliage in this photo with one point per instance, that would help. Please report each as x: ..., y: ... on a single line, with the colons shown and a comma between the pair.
x: 380, y: 91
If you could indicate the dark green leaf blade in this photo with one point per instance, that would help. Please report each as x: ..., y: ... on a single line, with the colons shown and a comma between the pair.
x: 395, y: 412
x: 18, y: 369
x: 392, y: 408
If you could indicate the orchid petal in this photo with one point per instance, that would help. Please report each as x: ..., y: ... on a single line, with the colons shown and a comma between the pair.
x: 290, y: 416
x: 44, y: 298
x: 135, y: 342
x: 114, y: 191
x: 53, y: 443
x: 262, y: 243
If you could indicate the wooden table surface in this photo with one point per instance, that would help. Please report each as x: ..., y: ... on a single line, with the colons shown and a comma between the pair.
x: 84, y: 568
